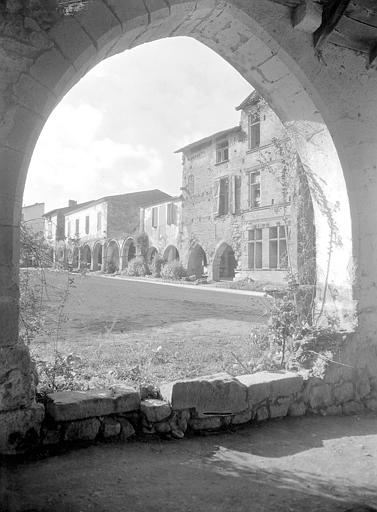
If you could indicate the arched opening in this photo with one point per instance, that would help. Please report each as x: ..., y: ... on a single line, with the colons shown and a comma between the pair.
x: 128, y: 252
x: 224, y: 263
x: 152, y: 252
x: 197, y: 262
x: 279, y: 63
x: 86, y: 257
x: 112, y: 257
x: 171, y: 253
x: 97, y: 256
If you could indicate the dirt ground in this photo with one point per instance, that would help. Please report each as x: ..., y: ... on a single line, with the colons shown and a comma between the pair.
x: 309, y: 464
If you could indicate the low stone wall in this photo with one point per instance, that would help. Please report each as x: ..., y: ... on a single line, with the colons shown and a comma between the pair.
x: 216, y: 402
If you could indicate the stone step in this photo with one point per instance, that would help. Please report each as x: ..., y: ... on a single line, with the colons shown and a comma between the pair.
x: 75, y: 405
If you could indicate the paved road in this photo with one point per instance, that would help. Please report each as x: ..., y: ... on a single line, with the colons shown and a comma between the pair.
x: 95, y: 301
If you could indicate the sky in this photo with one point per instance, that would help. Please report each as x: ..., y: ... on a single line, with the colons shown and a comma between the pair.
x: 117, y: 129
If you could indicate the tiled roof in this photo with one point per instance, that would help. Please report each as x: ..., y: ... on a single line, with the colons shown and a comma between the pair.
x: 209, y: 138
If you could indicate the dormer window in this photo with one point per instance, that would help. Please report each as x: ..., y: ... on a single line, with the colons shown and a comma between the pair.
x: 222, y: 151
x: 253, y: 130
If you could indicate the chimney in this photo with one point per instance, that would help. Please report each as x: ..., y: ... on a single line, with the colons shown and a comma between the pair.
x: 72, y: 203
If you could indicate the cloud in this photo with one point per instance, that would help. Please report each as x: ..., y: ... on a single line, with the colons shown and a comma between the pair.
x: 116, y: 131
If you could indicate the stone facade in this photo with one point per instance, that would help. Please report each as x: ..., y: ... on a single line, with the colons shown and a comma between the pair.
x: 238, y: 218
x: 99, y: 234
x: 32, y: 216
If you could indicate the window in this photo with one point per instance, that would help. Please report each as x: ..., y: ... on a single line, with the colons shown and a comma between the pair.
x: 77, y: 230
x: 223, y: 196
x: 49, y: 229
x: 254, y: 189
x: 278, y: 248
x: 171, y: 214
x: 253, y: 130
x: 154, y: 217
x: 190, y: 184
x: 87, y: 225
x: 255, y: 249
x: 99, y: 221
x: 222, y: 151
x: 69, y: 228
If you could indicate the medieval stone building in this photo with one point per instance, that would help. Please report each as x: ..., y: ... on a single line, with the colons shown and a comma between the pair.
x: 99, y: 234
x: 239, y: 217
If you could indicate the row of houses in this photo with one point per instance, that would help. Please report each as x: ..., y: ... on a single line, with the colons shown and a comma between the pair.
x: 235, y: 216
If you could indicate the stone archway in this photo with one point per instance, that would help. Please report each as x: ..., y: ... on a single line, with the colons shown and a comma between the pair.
x: 171, y: 253
x: 86, y: 257
x: 197, y: 261
x: 330, y: 112
x: 128, y: 251
x: 97, y: 256
x: 152, y: 253
x: 112, y: 257
x: 224, y: 263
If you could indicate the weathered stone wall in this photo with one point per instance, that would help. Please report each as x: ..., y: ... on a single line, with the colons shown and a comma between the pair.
x: 163, y: 234
x: 216, y: 402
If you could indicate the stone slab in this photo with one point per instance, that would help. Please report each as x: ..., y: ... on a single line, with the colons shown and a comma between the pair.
x: 270, y: 385
x: 215, y: 394
x: 75, y: 405
x: 279, y: 408
x: 210, y: 423
x: 155, y: 410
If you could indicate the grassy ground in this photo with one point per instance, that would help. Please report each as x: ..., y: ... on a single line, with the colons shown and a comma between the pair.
x: 134, y: 332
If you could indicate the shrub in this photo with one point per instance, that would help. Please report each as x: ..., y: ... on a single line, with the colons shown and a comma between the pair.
x: 137, y: 267
x: 156, y: 265
x: 142, y: 243
x: 173, y: 270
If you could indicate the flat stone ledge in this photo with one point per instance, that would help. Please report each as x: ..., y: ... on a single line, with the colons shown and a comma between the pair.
x: 270, y: 385
x: 154, y: 410
x: 76, y: 405
x: 214, y: 394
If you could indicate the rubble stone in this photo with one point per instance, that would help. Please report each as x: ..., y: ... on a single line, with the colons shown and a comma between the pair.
x: 320, y: 396
x: 155, y: 410
x: 16, y: 377
x: 215, y: 394
x: 110, y: 427
x: 20, y: 427
x: 242, y: 417
x: 297, y: 409
x: 371, y: 404
x: 127, y: 429
x: 210, y: 423
x: 279, y: 408
x: 82, y: 430
x: 353, y: 407
x: 363, y: 388
x: 262, y: 413
x: 344, y: 392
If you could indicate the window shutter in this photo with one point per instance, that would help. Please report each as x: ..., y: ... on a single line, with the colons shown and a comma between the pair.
x: 232, y: 190
x: 216, y: 197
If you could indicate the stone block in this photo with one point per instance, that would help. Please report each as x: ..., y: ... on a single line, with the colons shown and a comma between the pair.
x: 20, y: 429
x: 163, y: 427
x: 297, y: 409
x: 155, y: 410
x: 110, y: 427
x: 353, y: 407
x: 279, y: 408
x: 333, y: 410
x: 271, y: 385
x: 371, y: 404
x: 215, y: 394
x: 363, y: 388
x: 51, y: 435
x: 127, y: 429
x: 320, y: 396
x: 242, y: 417
x: 262, y: 413
x: 75, y: 405
x: 180, y: 420
x: 344, y: 392
x: 82, y: 430
x: 210, y: 423
x: 16, y: 380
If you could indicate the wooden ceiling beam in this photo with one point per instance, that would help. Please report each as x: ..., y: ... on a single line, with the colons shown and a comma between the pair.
x: 332, y: 13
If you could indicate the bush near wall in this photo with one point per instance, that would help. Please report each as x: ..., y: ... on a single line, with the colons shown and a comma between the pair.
x: 173, y: 270
x: 137, y: 267
x: 156, y: 265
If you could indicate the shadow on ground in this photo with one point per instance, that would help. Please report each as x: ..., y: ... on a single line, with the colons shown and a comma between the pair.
x: 306, y: 464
